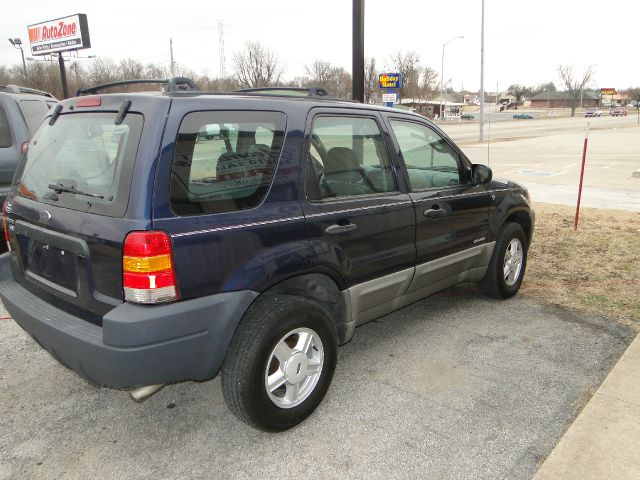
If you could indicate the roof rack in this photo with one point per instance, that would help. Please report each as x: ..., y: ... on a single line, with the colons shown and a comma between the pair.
x: 174, y: 84
x: 19, y: 89
x: 288, y: 91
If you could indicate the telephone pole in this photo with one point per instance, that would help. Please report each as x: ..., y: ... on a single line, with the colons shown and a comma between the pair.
x: 221, y: 47
x: 173, y: 63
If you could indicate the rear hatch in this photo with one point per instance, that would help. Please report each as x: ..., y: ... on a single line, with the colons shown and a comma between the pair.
x: 82, y: 186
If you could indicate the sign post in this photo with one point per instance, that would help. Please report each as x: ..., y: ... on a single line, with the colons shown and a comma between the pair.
x: 584, y: 159
x: 391, y: 83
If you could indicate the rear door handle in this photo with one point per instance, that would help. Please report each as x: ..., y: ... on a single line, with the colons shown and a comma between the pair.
x: 335, y: 228
x: 435, y: 212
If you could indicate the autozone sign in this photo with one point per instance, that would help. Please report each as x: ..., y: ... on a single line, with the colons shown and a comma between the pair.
x: 59, y: 35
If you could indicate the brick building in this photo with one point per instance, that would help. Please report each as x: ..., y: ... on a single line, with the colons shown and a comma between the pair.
x: 563, y: 100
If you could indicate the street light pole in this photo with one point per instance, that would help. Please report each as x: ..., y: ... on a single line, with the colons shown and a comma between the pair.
x: 17, y: 43
x: 482, y: 74
x: 442, y: 72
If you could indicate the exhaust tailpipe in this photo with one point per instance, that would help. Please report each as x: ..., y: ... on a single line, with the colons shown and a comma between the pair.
x: 141, y: 394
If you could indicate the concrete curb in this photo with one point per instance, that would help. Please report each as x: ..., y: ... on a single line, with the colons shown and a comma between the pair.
x: 602, y: 443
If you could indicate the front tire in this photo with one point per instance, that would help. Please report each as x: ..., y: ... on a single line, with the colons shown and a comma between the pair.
x: 508, y: 262
x: 280, y: 362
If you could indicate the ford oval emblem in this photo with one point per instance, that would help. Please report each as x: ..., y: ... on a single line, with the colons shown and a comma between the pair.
x: 44, y: 216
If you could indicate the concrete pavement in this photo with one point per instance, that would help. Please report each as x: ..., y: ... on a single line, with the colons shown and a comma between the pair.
x: 604, y: 441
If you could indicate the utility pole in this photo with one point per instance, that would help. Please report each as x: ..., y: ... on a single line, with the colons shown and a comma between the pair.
x: 357, y: 68
x: 482, y: 75
x: 173, y: 64
x: 221, y: 47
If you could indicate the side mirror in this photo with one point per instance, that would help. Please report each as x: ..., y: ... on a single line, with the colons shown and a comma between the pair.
x: 481, y: 174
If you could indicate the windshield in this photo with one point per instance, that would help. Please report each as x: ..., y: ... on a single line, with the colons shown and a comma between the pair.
x: 83, y: 152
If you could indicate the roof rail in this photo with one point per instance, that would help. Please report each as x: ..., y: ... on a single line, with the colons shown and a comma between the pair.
x: 173, y: 84
x: 19, y: 89
x: 288, y: 91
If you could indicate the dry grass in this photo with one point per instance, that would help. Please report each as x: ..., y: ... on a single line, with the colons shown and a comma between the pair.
x: 594, y: 269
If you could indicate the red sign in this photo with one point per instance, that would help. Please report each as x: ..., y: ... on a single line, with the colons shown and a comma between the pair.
x: 59, y: 35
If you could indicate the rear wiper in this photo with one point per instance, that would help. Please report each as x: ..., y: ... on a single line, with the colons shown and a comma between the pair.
x: 60, y: 189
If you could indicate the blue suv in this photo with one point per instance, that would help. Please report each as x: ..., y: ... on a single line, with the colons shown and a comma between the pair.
x: 163, y: 237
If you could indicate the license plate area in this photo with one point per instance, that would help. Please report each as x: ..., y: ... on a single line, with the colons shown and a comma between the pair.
x: 53, y: 266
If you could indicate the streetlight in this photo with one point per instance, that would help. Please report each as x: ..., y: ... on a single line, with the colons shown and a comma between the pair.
x: 17, y: 43
x: 442, y: 71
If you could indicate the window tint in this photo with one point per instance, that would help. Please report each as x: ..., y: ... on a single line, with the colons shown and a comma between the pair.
x: 34, y: 112
x: 85, y: 152
x: 347, y: 157
x: 224, y: 161
x: 431, y: 162
x: 5, y: 131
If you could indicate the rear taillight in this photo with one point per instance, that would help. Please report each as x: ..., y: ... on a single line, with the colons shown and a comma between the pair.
x: 4, y: 224
x: 148, y: 274
x: 25, y: 145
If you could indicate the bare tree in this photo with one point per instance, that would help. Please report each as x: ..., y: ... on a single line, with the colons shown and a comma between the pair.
x: 257, y: 66
x: 406, y: 64
x: 427, y: 83
x: 102, y: 70
x: 574, y: 85
x: 518, y: 91
x: 320, y: 73
x: 152, y: 70
x: 130, y: 69
x: 370, y: 79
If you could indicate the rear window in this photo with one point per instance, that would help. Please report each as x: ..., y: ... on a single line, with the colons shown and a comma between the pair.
x: 86, y: 153
x: 5, y: 132
x: 224, y: 161
x: 34, y: 112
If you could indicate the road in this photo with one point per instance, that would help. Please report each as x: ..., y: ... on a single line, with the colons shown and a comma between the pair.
x: 456, y: 386
x: 468, y: 132
x: 545, y: 155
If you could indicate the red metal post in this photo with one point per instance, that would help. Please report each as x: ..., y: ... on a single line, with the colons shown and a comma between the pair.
x: 584, y: 159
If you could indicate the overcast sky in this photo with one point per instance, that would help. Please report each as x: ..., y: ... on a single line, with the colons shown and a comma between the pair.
x: 525, y: 41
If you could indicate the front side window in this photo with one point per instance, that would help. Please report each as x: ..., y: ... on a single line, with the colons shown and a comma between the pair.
x: 224, y: 161
x: 431, y: 162
x: 347, y: 157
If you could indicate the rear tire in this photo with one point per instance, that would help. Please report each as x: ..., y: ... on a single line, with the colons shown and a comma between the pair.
x: 280, y: 362
x: 508, y: 262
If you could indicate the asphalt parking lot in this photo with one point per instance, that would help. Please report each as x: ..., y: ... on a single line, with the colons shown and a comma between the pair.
x: 455, y: 386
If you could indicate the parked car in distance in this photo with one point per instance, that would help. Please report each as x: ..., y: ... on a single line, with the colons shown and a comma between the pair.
x: 144, y: 253
x: 21, y: 112
x: 522, y: 116
x: 467, y: 116
x: 619, y: 112
x: 593, y: 112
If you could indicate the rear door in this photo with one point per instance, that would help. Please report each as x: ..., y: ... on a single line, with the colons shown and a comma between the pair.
x: 451, y: 212
x: 360, y: 223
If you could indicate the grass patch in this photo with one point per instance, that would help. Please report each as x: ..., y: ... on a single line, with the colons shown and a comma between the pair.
x: 594, y: 270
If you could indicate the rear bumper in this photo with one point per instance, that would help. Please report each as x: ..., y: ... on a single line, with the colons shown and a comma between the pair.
x: 137, y: 345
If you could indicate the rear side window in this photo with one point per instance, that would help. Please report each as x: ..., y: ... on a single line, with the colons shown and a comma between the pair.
x: 5, y: 132
x: 34, y: 112
x: 347, y: 157
x: 224, y: 161
x: 87, y: 154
